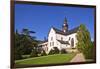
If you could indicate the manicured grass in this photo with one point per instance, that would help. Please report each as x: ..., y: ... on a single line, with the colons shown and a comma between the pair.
x: 49, y: 59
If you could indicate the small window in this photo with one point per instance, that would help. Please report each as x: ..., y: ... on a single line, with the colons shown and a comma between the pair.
x: 51, y: 38
x: 69, y: 38
x: 52, y: 43
x: 72, y: 42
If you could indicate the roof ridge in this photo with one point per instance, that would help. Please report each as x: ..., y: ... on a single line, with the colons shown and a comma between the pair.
x: 67, y: 33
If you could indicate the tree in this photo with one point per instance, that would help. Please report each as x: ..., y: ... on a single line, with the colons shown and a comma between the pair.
x: 34, y: 52
x: 27, y: 41
x: 84, y: 41
x: 24, y: 43
x: 26, y: 32
x: 17, y: 52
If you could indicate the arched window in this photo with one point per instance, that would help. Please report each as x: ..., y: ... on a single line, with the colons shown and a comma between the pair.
x: 52, y: 43
x: 72, y: 42
x: 69, y: 38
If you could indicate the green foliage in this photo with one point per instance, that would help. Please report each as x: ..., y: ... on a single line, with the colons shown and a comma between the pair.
x: 43, y: 53
x: 51, y: 52
x: 63, y: 51
x: 25, y: 56
x: 34, y: 53
x: 17, y: 51
x: 89, y: 52
x: 55, y: 50
x: 23, y: 43
x: 17, y: 55
x: 84, y: 42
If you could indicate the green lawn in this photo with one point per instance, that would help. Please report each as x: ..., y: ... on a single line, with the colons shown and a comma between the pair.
x: 50, y: 59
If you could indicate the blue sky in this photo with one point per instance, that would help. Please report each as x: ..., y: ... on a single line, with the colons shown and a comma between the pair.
x: 40, y: 18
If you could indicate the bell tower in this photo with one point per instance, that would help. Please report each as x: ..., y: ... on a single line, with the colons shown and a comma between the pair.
x: 65, y: 26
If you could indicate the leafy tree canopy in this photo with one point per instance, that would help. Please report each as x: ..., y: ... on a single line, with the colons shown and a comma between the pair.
x: 84, y: 44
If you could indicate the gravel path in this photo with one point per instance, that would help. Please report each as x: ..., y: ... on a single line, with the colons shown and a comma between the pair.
x: 78, y: 58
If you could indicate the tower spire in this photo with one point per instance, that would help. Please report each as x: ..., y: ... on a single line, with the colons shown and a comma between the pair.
x: 65, y: 26
x: 65, y: 20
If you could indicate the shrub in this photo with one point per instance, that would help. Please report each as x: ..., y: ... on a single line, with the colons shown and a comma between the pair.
x: 34, y: 53
x: 55, y: 50
x: 18, y: 56
x: 25, y: 56
x: 51, y: 52
x: 43, y: 53
x: 63, y: 51
x: 89, y: 52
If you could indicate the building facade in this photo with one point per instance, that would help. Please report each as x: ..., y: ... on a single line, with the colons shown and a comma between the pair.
x: 61, y: 39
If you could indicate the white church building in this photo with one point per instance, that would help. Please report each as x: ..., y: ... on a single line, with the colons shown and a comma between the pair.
x: 62, y: 39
